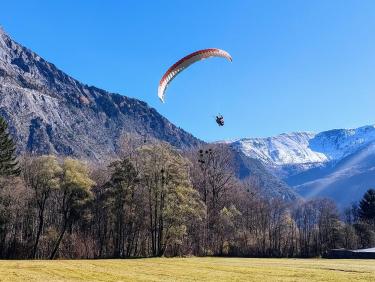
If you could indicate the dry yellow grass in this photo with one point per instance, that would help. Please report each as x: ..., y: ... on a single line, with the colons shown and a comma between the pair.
x: 189, y: 269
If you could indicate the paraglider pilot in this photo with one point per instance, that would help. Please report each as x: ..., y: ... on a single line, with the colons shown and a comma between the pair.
x: 220, y: 120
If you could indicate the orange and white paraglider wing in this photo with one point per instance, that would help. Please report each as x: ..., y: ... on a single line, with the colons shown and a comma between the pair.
x: 185, y: 62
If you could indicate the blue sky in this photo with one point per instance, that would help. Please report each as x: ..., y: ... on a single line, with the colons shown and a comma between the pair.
x: 297, y: 65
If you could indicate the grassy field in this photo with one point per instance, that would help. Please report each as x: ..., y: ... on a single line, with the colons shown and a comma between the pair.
x: 189, y: 269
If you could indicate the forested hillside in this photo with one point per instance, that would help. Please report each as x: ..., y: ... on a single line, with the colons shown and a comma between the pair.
x: 157, y: 201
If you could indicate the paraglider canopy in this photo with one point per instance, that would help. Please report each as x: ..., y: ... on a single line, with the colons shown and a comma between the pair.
x: 185, y: 62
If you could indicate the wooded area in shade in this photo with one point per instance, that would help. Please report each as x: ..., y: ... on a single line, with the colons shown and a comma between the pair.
x: 158, y: 201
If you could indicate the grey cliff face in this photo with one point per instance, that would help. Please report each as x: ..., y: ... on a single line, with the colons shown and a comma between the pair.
x: 51, y: 112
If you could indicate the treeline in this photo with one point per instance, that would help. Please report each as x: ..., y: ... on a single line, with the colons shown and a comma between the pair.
x: 158, y: 201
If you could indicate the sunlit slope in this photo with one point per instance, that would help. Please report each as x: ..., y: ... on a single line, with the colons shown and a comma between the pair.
x: 49, y: 112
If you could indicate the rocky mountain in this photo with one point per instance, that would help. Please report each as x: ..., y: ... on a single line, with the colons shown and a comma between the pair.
x: 284, y: 154
x: 345, y: 181
x: 288, y: 154
x: 339, y: 163
x: 248, y: 168
x: 50, y: 112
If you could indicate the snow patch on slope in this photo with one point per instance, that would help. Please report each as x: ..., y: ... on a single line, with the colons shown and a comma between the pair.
x: 339, y: 143
x: 283, y: 149
x: 304, y: 148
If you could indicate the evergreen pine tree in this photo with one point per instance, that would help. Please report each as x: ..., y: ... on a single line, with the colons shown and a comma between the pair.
x: 367, y: 206
x: 8, y: 161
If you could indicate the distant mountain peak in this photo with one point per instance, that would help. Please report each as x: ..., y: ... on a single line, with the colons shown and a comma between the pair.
x: 338, y: 143
x: 291, y: 148
x: 307, y: 147
x: 2, y: 31
x: 338, y: 163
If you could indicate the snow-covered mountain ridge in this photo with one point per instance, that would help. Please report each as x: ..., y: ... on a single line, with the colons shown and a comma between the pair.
x: 338, y: 164
x: 306, y: 149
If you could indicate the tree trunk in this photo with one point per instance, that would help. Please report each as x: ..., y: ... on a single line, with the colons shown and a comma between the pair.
x: 56, y: 248
x: 40, y: 229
